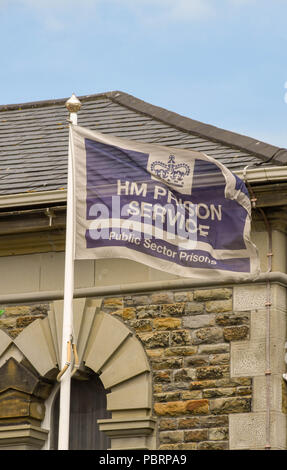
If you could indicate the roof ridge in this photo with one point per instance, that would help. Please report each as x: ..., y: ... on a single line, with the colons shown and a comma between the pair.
x: 266, y: 152
x: 44, y: 103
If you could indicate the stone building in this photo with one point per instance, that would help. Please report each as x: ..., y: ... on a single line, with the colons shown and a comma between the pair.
x: 165, y: 362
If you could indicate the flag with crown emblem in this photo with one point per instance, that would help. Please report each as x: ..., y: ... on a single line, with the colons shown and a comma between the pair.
x: 176, y: 210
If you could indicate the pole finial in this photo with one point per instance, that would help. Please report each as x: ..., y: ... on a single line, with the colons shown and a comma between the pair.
x: 73, y: 104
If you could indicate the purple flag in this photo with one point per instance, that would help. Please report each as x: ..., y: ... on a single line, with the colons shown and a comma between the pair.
x: 176, y: 210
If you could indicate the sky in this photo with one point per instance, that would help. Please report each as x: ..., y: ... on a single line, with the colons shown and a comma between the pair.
x: 222, y: 62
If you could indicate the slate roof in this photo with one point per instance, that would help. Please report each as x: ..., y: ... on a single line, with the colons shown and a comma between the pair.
x: 34, y: 138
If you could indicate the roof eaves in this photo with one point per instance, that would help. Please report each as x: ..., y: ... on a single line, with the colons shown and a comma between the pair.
x: 265, y: 152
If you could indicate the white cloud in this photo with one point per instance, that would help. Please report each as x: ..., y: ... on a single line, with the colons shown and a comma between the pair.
x: 188, y: 10
x: 58, y: 14
x: 167, y: 10
x: 241, y: 2
x: 56, y: 4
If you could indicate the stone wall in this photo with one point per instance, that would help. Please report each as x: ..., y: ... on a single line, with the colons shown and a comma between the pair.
x: 187, y: 337
x: 13, y: 318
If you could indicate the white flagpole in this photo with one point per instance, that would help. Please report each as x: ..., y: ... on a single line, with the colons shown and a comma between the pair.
x: 73, y: 105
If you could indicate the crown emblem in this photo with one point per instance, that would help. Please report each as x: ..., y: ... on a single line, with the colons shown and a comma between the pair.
x: 171, y: 172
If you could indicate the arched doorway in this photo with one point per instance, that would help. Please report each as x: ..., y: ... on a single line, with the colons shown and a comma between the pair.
x: 88, y: 404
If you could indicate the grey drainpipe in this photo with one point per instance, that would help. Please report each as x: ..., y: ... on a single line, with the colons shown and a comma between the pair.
x: 151, y: 286
x: 268, y: 305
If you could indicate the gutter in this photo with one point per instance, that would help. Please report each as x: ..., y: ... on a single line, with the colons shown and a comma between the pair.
x: 253, y: 175
x: 263, y: 175
x: 33, y: 198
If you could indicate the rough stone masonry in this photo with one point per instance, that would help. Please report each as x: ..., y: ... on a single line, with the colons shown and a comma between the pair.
x: 186, y: 336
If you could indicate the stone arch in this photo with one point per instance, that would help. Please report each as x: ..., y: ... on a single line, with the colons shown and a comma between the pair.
x: 109, y: 348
